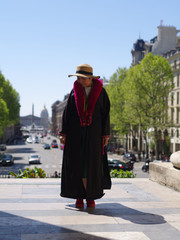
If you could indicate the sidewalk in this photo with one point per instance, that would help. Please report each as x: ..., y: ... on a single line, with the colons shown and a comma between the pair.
x: 135, y: 209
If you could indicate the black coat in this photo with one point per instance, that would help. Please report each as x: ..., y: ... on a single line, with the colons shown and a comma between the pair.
x: 98, y: 177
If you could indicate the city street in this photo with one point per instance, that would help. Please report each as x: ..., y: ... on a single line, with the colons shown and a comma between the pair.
x: 137, y: 165
x: 51, y: 160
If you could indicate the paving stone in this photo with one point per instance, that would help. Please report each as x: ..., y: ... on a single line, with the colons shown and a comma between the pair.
x: 135, y: 209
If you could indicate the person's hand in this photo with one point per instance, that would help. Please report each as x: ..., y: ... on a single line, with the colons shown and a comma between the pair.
x: 63, y: 139
x: 105, y: 141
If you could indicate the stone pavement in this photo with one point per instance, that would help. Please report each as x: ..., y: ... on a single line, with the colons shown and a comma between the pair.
x: 135, y: 209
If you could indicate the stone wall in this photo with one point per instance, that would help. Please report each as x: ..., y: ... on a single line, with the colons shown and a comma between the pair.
x: 164, y: 173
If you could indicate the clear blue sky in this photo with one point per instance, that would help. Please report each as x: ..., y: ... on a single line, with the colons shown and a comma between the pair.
x: 42, y: 41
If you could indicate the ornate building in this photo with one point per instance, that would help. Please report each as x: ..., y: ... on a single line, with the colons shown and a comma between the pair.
x: 173, y: 57
x: 140, y: 48
x: 57, y: 112
x: 44, y: 117
x: 31, y: 120
x: 167, y: 44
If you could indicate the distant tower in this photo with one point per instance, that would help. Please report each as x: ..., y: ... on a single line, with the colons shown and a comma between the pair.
x: 44, y: 117
x: 138, y: 51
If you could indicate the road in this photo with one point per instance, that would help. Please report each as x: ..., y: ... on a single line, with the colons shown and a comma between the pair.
x: 137, y: 166
x: 51, y: 160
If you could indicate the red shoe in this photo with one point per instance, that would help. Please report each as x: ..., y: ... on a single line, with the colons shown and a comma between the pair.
x: 91, y: 203
x: 79, y: 203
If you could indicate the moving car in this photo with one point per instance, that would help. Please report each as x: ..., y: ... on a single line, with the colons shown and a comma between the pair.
x: 34, y: 159
x: 36, y: 139
x: 129, y: 157
x: 47, y: 146
x: 2, y: 147
x: 6, y: 159
x: 54, y: 143
x: 117, y: 164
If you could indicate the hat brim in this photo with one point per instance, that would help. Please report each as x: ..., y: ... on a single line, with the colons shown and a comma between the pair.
x: 84, y: 76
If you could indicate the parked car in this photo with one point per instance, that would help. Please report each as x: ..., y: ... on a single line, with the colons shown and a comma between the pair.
x: 54, y: 143
x: 29, y: 140
x: 6, y: 159
x: 2, y: 147
x: 129, y: 157
x: 47, y: 146
x: 34, y: 159
x: 117, y: 164
x: 36, y: 139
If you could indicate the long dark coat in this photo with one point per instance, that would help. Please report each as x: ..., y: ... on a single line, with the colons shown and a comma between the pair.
x: 98, y: 177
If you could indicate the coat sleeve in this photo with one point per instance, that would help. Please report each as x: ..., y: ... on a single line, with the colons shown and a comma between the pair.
x: 105, y: 118
x: 66, y: 116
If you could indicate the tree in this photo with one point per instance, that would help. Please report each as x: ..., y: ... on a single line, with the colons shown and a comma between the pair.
x: 116, y: 96
x: 146, y: 90
x: 3, y: 115
x: 9, y: 104
x: 11, y: 97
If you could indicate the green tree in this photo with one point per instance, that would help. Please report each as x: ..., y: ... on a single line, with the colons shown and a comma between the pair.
x: 3, y: 115
x: 146, y: 90
x: 11, y: 97
x: 116, y: 96
x: 9, y: 104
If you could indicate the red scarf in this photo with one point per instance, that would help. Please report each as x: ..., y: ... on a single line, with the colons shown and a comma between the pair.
x: 85, y: 115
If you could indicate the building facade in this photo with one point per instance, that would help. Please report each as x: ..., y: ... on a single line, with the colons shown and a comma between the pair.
x: 166, y: 44
x: 57, y: 113
x: 30, y: 120
x: 45, y: 118
x: 173, y: 58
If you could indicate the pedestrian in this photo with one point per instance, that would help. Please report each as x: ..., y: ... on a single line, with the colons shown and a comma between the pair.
x: 55, y: 174
x: 85, y: 133
x: 143, y: 153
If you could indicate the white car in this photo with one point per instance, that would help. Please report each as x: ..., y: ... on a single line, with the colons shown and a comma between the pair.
x: 36, y: 139
x: 29, y: 140
x: 34, y: 159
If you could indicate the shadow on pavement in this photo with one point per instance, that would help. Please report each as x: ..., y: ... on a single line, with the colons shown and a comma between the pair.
x: 18, y: 158
x: 16, y: 227
x: 20, y: 150
x: 4, y: 170
x: 126, y: 213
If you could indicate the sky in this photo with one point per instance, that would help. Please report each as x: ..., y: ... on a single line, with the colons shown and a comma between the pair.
x: 42, y: 41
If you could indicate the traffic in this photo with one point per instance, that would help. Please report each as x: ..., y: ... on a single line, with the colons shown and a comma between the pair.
x: 36, y: 150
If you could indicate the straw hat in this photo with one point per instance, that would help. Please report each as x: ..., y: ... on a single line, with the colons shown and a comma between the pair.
x: 84, y: 70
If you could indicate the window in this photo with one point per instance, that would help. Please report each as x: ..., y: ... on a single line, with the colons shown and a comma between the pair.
x: 172, y: 99
x: 178, y: 80
x: 172, y: 133
x: 177, y: 133
x: 177, y: 117
x: 172, y: 114
x: 177, y: 97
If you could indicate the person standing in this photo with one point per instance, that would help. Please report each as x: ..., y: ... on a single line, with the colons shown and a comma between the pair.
x: 85, y: 133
